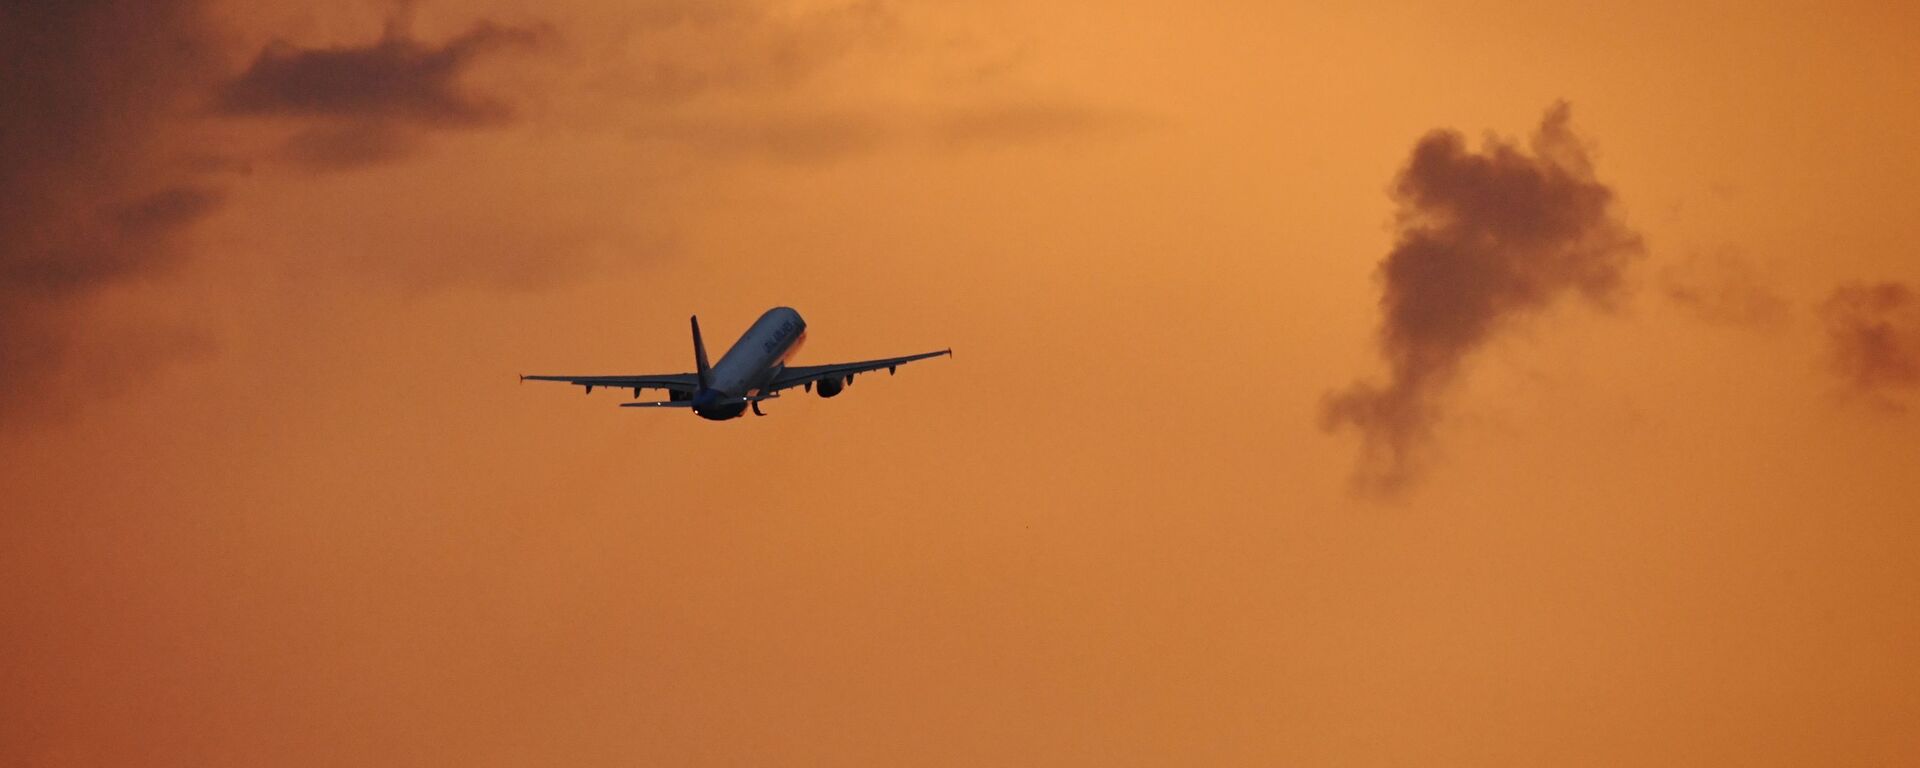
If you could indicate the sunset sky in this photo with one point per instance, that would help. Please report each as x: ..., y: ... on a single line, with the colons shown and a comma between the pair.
x: 1464, y: 383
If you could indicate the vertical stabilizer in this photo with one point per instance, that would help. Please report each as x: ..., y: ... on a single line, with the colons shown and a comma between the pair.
x: 700, y: 356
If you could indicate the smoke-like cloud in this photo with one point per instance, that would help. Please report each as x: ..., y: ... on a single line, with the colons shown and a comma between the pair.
x: 366, y: 104
x: 95, y: 188
x: 1485, y: 240
x: 1873, y: 339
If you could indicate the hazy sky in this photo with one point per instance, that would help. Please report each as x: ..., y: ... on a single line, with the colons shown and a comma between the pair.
x: 1446, y: 384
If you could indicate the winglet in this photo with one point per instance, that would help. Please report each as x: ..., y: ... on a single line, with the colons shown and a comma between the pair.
x: 700, y: 355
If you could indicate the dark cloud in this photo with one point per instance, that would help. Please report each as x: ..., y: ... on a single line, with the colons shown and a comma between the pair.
x: 1486, y: 239
x: 1873, y: 338
x: 395, y: 77
x: 1723, y: 288
x: 365, y: 104
x: 97, y: 188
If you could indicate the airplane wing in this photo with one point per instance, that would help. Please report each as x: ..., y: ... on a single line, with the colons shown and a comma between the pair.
x: 806, y: 375
x: 686, y: 382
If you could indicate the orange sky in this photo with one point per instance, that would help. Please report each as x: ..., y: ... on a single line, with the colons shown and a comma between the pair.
x: 284, y: 503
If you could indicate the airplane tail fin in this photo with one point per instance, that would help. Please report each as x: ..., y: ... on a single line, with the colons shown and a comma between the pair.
x: 700, y: 356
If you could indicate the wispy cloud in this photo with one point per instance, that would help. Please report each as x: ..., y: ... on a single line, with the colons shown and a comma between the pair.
x: 1724, y: 288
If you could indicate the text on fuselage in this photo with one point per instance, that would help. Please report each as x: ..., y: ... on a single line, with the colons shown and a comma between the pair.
x: 780, y: 336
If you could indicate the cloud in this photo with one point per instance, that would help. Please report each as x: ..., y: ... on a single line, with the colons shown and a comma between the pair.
x: 1485, y: 240
x: 395, y: 77
x: 792, y: 137
x: 750, y: 79
x: 807, y: 136
x: 1873, y: 339
x: 678, y: 51
x: 97, y: 187
x: 349, y: 145
x: 1030, y: 121
x: 365, y: 104
x: 1724, y: 288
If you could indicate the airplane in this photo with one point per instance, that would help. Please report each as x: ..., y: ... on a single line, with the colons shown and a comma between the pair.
x: 753, y: 369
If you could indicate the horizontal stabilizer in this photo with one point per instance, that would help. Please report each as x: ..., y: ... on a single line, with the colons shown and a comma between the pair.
x: 689, y: 403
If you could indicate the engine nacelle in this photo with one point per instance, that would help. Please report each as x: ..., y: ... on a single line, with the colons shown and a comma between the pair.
x: 829, y: 387
x: 678, y: 395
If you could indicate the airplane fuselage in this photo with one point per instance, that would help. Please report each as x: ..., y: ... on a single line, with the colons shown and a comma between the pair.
x: 751, y: 364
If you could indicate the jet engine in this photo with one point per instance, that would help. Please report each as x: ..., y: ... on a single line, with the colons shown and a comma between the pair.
x: 830, y: 387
